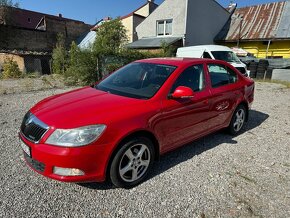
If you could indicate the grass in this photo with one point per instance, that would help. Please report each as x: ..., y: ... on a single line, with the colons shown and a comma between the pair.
x: 285, y: 83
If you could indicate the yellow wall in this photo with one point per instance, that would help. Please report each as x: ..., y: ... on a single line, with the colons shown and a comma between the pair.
x: 277, y: 48
x: 144, y: 11
x: 128, y: 24
x: 19, y: 60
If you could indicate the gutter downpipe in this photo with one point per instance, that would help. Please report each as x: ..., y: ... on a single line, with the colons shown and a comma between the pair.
x: 185, y: 22
x: 269, y: 42
x: 268, y: 46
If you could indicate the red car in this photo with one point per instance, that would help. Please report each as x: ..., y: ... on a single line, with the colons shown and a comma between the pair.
x: 119, y: 127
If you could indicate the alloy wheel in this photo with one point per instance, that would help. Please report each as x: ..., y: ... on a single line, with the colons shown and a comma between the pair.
x: 134, y: 162
x: 239, y: 119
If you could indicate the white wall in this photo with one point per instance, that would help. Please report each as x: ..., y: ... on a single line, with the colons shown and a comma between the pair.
x: 169, y: 9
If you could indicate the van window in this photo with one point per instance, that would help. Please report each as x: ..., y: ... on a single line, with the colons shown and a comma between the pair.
x: 227, y: 56
x: 221, y: 75
x: 206, y: 55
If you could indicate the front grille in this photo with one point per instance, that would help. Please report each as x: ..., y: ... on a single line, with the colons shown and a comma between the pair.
x: 32, y: 128
x: 241, y: 69
x: 34, y: 163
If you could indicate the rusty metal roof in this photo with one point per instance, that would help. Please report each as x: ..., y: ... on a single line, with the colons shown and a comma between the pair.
x: 258, y: 22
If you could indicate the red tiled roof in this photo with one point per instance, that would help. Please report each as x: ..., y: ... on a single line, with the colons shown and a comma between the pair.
x: 254, y: 22
x: 131, y: 14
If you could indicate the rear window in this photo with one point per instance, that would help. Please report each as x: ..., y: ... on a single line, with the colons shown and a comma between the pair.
x: 221, y: 75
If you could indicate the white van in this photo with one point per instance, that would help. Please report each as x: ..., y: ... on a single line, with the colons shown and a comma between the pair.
x: 217, y: 52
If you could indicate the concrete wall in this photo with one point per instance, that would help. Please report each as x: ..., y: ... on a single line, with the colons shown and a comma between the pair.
x: 281, y: 74
x: 136, y: 22
x: 205, y: 19
x: 169, y: 9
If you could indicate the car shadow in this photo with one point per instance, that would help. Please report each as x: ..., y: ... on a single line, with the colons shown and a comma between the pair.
x: 192, y: 149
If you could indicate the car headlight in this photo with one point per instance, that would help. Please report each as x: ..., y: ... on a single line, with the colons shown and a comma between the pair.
x: 75, y: 137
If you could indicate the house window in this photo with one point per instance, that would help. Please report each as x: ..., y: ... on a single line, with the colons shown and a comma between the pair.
x: 164, y: 27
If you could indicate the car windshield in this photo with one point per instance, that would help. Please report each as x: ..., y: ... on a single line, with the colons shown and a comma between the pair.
x: 137, y: 80
x: 227, y: 56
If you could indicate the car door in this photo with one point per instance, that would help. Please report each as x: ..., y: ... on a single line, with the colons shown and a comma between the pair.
x: 185, y: 119
x: 224, y: 92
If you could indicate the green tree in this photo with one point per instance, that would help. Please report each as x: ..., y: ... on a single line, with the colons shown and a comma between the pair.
x: 6, y: 10
x: 168, y: 50
x: 110, y: 40
x: 111, y: 36
x: 83, y: 67
x: 9, y: 3
x: 59, y: 56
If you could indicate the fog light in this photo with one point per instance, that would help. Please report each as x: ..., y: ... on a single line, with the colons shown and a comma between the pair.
x: 67, y: 171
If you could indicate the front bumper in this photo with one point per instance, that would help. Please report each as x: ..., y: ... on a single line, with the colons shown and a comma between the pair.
x: 91, y: 159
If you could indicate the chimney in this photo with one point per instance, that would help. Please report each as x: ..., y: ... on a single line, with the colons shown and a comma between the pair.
x: 107, y: 18
x: 232, y: 7
x: 60, y: 15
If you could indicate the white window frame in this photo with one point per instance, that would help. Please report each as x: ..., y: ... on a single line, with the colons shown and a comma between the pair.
x: 164, y: 27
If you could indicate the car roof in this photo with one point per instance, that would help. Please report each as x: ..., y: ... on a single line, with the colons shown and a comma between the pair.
x: 172, y: 61
x: 207, y: 47
x: 179, y: 61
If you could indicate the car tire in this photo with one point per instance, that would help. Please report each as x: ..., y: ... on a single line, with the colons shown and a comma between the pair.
x: 238, y: 120
x: 132, y: 162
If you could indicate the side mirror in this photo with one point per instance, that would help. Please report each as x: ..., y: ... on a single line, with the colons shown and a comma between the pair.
x: 182, y: 92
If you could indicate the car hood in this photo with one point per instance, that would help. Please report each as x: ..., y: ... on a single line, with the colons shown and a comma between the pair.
x: 85, y: 106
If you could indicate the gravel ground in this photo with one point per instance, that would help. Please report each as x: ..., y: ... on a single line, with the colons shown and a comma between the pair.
x: 216, y: 176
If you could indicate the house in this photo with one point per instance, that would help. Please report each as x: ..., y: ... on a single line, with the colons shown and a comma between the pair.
x: 87, y: 39
x: 263, y: 30
x: 181, y: 23
x: 133, y: 19
x: 29, y: 37
x: 129, y: 21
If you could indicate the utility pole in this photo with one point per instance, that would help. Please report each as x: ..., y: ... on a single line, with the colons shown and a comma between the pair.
x: 240, y: 31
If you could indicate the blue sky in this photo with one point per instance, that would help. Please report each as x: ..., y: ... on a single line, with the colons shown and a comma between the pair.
x: 90, y: 11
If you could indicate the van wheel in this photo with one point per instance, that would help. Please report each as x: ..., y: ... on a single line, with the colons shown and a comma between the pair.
x: 132, y: 162
x: 238, y: 120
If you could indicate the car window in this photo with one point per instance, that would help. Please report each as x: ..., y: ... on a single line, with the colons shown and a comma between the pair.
x: 221, y: 75
x: 206, y: 55
x: 137, y: 80
x: 192, y: 77
x: 227, y: 56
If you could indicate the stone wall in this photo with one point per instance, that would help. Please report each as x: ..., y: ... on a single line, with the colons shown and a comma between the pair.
x: 16, y: 38
x: 13, y: 38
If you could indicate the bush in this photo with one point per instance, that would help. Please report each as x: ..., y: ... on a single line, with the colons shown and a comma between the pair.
x: 107, y: 54
x: 11, y: 69
x: 59, y: 56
